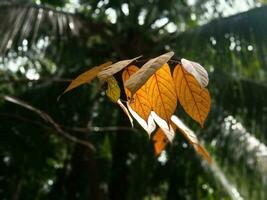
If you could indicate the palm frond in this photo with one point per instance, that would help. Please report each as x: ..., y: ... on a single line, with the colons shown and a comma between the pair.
x: 31, y: 21
x: 238, y: 41
x: 245, y: 163
x: 235, y: 48
x: 242, y: 24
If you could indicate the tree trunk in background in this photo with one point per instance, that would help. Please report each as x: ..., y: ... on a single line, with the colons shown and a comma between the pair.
x: 119, y: 180
x: 83, y: 168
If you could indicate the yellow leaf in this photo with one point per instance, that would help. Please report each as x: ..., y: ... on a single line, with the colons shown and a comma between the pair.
x: 113, y: 91
x: 194, y: 99
x: 161, y: 93
x: 159, y: 141
x: 137, y: 80
x: 139, y: 102
x: 125, y: 110
x: 114, y: 68
x: 191, y: 137
x: 86, y: 77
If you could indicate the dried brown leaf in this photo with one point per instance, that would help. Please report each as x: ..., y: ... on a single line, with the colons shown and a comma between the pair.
x: 114, y: 68
x: 86, y: 77
x: 137, y: 80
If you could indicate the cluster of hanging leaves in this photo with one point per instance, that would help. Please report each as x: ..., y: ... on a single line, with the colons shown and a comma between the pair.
x: 153, y: 91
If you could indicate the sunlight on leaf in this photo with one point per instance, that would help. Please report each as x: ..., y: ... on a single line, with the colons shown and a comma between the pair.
x: 149, y: 126
x: 194, y: 99
x: 139, y: 102
x: 113, y: 92
x: 166, y: 127
x: 159, y: 141
x: 161, y: 93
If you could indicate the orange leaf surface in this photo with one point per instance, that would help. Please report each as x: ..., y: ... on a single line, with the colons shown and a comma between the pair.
x: 139, y: 102
x: 194, y: 99
x: 86, y: 77
x: 137, y: 80
x: 161, y: 93
x: 159, y: 141
x: 191, y: 137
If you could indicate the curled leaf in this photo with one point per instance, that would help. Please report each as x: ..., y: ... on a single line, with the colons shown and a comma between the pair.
x: 165, y: 127
x: 113, y: 91
x: 159, y: 141
x: 114, y: 68
x: 137, y: 80
x: 125, y: 110
x: 194, y: 99
x: 149, y: 126
x: 191, y: 137
x: 161, y: 93
x: 197, y: 71
x: 86, y: 77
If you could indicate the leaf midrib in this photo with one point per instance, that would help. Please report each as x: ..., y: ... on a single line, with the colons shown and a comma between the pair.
x: 184, y: 75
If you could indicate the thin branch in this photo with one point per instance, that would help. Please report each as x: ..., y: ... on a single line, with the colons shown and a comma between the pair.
x: 49, y: 120
x: 25, y: 119
x: 102, y: 129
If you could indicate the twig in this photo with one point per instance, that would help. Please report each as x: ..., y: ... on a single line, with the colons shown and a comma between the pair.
x: 103, y: 129
x: 48, y: 119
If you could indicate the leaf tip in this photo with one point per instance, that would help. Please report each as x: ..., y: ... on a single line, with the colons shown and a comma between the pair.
x: 202, y: 123
x: 205, y: 154
x: 171, y: 52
